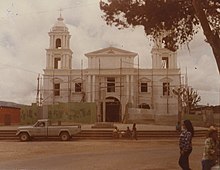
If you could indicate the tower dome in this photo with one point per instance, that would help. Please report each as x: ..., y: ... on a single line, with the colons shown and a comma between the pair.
x: 59, y: 25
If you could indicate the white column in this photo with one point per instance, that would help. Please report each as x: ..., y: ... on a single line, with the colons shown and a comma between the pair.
x: 89, y: 85
x: 53, y: 43
x: 68, y: 45
x: 159, y: 61
x: 51, y: 61
x: 69, y: 62
x: 93, y: 88
x: 66, y: 61
x: 66, y: 42
x: 63, y: 61
x: 47, y: 60
x: 132, y: 88
x: 128, y: 87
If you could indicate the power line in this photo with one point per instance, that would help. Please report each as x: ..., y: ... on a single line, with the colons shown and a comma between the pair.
x: 19, y: 68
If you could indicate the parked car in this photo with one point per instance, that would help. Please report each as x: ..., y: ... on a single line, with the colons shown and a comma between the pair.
x: 44, y: 128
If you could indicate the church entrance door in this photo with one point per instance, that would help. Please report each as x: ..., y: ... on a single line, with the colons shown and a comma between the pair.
x: 112, y: 112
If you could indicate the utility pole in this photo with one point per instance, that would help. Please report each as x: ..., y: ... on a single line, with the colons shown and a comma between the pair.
x: 138, y: 89
x: 187, y: 93
x: 99, y: 92
x: 120, y: 76
x: 38, y: 91
x: 168, y: 88
x: 179, y: 93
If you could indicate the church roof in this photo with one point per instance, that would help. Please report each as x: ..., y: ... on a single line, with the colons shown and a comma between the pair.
x: 111, y: 51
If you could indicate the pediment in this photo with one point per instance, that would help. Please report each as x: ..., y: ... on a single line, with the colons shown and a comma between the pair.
x: 166, y: 79
x: 111, y: 51
x: 162, y: 51
x: 77, y: 80
x: 57, y: 80
x: 144, y: 79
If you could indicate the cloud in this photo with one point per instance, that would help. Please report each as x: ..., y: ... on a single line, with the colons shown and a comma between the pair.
x: 201, y: 69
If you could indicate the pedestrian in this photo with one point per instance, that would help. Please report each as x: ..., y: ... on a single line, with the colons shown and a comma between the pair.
x: 115, y: 133
x: 178, y: 127
x: 185, y: 144
x: 128, y: 133
x: 134, y: 131
x: 209, y: 158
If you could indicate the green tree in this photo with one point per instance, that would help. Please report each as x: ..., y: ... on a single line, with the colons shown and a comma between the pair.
x: 180, y: 19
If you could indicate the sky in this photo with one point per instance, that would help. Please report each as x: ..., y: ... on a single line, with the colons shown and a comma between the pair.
x: 24, y: 37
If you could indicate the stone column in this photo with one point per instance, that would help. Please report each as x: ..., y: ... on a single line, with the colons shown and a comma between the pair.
x: 89, y: 85
x: 66, y: 38
x: 132, y: 88
x: 48, y: 61
x: 67, y: 61
x: 51, y: 61
x: 128, y: 88
x: 51, y: 42
x: 93, y: 88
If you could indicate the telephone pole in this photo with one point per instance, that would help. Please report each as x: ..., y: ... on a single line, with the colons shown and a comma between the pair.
x: 38, y: 91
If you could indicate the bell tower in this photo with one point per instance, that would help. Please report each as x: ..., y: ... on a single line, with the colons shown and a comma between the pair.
x: 163, y: 58
x: 59, y: 54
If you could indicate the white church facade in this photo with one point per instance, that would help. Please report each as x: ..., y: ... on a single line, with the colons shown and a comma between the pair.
x: 111, y: 79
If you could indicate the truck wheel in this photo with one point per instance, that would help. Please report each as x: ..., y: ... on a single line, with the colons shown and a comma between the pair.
x: 24, y: 137
x: 64, y: 136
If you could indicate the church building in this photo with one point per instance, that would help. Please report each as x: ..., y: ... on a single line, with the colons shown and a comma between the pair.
x: 112, y: 80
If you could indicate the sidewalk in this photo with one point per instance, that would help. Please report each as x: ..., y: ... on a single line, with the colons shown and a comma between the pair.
x: 121, y: 126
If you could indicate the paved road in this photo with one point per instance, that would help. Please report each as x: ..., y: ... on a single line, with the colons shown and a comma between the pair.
x: 95, y: 155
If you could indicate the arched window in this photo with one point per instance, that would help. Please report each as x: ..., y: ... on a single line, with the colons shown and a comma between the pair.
x: 166, y: 89
x: 57, y: 63
x: 144, y: 84
x: 56, y: 89
x: 58, y: 43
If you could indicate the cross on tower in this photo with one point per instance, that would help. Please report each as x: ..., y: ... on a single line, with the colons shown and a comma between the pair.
x: 60, y: 12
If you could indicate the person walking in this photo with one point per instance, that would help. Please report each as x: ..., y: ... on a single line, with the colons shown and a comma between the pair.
x: 128, y: 133
x: 209, y: 158
x: 185, y: 144
x: 134, y: 131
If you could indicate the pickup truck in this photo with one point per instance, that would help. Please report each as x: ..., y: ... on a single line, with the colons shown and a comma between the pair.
x: 43, y: 128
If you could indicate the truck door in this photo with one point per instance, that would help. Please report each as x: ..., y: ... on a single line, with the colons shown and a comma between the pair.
x: 40, y: 129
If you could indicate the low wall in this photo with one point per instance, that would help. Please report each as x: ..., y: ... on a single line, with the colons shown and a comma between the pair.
x: 64, y: 112
x: 147, y: 116
x: 73, y: 112
x: 166, y: 119
x: 139, y: 115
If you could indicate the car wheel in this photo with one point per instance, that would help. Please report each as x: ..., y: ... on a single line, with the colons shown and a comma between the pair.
x: 24, y: 137
x: 64, y: 136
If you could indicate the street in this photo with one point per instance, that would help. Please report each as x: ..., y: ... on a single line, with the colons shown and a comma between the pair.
x: 96, y: 155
